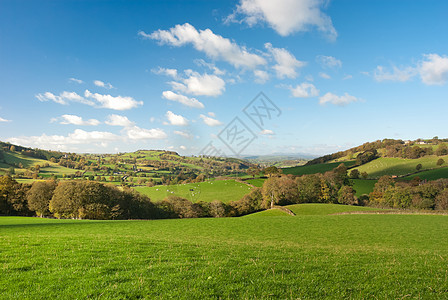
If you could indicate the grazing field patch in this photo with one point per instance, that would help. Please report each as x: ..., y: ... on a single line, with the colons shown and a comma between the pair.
x: 318, y: 168
x: 208, y: 191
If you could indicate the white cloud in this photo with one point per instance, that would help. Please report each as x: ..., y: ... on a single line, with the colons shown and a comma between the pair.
x: 103, y: 85
x: 184, y: 134
x: 304, y: 90
x: 329, y: 61
x: 433, y: 69
x: 202, y: 85
x: 213, y: 45
x: 210, y: 121
x: 64, y: 98
x: 285, y: 16
x: 183, y: 147
x: 60, y: 142
x: 177, y: 120
x: 111, y: 102
x: 397, y: 74
x: 337, y: 100
x: 103, y: 101
x: 137, y: 133
x: 4, y: 120
x: 211, y: 66
x: 267, y: 132
x: 211, y: 114
x: 79, y: 81
x: 324, y: 75
x: 191, y: 102
x: 347, y: 77
x: 168, y: 72
x: 117, y: 120
x: 287, y: 64
x: 261, y: 76
x: 75, y: 120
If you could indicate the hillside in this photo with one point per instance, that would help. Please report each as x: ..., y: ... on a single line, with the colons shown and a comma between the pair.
x: 139, y: 167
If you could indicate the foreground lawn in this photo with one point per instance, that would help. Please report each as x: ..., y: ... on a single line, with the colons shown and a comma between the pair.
x: 307, y: 256
x: 208, y: 191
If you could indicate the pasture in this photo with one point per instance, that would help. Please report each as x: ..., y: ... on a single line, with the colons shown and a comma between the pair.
x: 398, y: 166
x: 208, y: 191
x: 318, y: 168
x: 309, y: 256
x: 363, y: 186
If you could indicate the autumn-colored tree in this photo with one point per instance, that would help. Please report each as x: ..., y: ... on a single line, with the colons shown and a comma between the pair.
x: 346, y: 195
x: 279, y: 190
x: 325, y: 195
x: 39, y: 197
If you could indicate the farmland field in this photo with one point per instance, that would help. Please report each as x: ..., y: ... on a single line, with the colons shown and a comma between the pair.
x: 363, y: 186
x: 398, y: 166
x: 307, y: 256
x: 208, y: 191
x: 313, y: 169
x: 431, y: 174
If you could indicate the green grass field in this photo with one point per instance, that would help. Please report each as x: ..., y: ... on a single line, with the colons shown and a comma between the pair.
x: 363, y: 186
x: 431, y: 174
x: 398, y: 166
x: 258, y: 182
x: 313, y: 169
x: 307, y: 256
x: 208, y: 191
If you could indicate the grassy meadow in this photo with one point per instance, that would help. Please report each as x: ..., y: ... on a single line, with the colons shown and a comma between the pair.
x: 311, y: 256
x: 398, y: 166
x: 318, y: 168
x: 208, y: 191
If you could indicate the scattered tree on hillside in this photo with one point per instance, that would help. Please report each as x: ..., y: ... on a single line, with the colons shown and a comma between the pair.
x: 418, y: 167
x: 440, y: 161
x: 272, y: 171
x: 354, y: 174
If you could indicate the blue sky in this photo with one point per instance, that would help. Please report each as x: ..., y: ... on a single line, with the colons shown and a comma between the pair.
x: 116, y: 76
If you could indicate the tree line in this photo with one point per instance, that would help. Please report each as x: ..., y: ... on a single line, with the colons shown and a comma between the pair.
x: 81, y: 199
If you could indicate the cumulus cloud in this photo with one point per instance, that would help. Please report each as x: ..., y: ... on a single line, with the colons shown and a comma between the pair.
x: 176, y: 120
x: 63, y: 98
x: 168, y: 72
x: 324, y: 75
x: 137, y: 133
x: 286, y: 64
x: 210, y: 121
x: 267, y: 132
x: 329, y: 61
x: 99, y: 100
x: 261, y: 76
x: 337, y: 100
x: 200, y: 84
x: 61, y: 142
x: 285, y: 16
x: 117, y: 120
x: 404, y: 74
x: 304, y: 90
x: 191, y: 102
x: 102, y: 84
x: 184, y: 134
x: 111, y: 102
x: 213, y: 45
x: 433, y: 69
x: 79, y: 81
x: 4, y: 120
x: 75, y: 120
x: 183, y: 147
